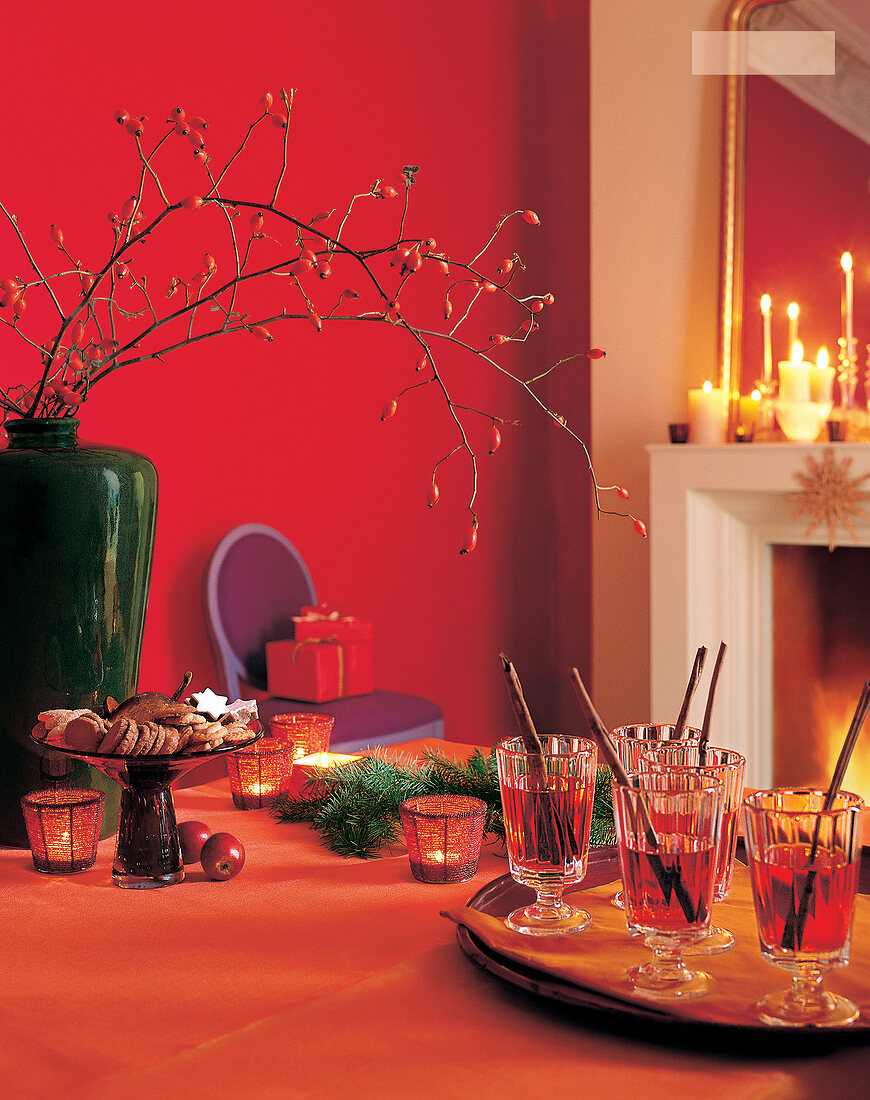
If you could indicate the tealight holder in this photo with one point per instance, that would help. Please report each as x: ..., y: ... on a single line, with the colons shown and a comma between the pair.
x: 303, y: 733
x: 259, y: 774
x: 443, y: 834
x: 63, y: 828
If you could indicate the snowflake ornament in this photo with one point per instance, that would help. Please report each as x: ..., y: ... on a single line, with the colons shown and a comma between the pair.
x: 830, y: 496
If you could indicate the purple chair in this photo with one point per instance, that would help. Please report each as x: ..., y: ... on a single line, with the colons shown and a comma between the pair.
x: 254, y: 584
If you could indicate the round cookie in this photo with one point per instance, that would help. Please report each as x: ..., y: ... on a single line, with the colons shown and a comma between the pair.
x: 129, y: 736
x: 112, y: 738
x: 84, y: 733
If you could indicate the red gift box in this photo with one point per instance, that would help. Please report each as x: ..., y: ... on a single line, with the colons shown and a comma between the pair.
x: 325, y: 621
x: 317, y: 670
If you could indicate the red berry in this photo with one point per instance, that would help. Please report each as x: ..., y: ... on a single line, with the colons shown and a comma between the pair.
x: 122, y: 271
x: 198, y: 123
x: 75, y: 363
x: 490, y: 288
x: 559, y: 418
x: 323, y: 269
x: 422, y: 363
x: 192, y: 202
x: 640, y: 527
x: 9, y: 297
x: 210, y: 263
x: 316, y: 320
x: 624, y: 493
x: 548, y: 299
x: 448, y: 309
x: 128, y: 208
x: 412, y: 263
x: 134, y: 127
x: 505, y: 267
x: 494, y: 439
x: 182, y: 129
x: 445, y: 267
x: 76, y: 333
x: 9, y: 284
x: 531, y: 217
x: 595, y: 353
x: 222, y: 856
x: 530, y: 325
x: 279, y: 120
x: 432, y: 495
x: 19, y: 307
x: 470, y: 541
x: 256, y: 222
x: 57, y: 236
x: 195, y: 138
x: 387, y: 192
x: 178, y: 114
x: 393, y: 313
x: 535, y: 306
x: 122, y: 117
x: 389, y: 410
x: 499, y: 338
x: 267, y: 101
x: 428, y: 244
x: 262, y: 332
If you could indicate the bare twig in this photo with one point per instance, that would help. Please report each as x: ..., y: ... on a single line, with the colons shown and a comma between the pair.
x: 691, y: 687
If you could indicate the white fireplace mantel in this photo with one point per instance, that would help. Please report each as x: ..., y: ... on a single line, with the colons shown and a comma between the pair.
x: 715, y: 513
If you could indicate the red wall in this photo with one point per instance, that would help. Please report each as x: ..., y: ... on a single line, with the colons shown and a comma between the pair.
x: 491, y: 100
x: 806, y: 204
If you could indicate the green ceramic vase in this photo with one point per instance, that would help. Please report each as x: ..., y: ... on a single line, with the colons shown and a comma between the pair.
x: 77, y: 525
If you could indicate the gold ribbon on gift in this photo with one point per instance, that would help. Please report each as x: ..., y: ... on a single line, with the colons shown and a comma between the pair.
x: 330, y: 640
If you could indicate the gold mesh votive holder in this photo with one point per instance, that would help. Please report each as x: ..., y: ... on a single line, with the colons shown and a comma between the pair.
x: 443, y: 834
x: 259, y: 774
x: 303, y: 733
x: 63, y: 828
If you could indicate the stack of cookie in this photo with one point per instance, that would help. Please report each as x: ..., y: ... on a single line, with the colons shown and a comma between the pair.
x: 156, y: 728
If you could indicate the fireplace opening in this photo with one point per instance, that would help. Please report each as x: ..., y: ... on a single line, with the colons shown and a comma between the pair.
x: 821, y: 658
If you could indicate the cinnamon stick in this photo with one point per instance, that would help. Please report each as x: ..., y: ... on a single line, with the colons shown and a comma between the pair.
x: 558, y: 834
x: 669, y: 879
x: 708, y: 711
x: 795, y: 925
x: 691, y: 687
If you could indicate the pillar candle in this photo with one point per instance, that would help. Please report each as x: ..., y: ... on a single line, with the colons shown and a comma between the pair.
x: 708, y: 415
x: 822, y: 380
x: 794, y: 377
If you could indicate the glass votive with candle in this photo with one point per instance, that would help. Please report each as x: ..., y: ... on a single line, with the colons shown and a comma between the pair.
x: 822, y: 380
x: 63, y: 828
x: 708, y: 415
x: 302, y: 733
x: 259, y: 774
x: 443, y: 834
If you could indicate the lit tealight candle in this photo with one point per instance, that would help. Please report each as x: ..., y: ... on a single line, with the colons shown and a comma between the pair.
x: 708, y: 415
x: 822, y: 380
x: 443, y: 834
x: 794, y: 377
x: 793, y: 313
x: 63, y: 828
x: 259, y: 774
x: 750, y: 409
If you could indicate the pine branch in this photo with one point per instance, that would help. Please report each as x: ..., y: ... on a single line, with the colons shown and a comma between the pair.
x: 354, y: 808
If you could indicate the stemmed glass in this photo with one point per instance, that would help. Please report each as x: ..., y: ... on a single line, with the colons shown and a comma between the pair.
x: 804, y: 868
x: 548, y: 816
x: 667, y: 824
x: 631, y: 742
x: 727, y: 766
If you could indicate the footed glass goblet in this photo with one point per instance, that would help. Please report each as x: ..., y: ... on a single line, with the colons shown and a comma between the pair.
x: 804, y: 862
x: 548, y: 816
x: 667, y: 824
x: 727, y: 766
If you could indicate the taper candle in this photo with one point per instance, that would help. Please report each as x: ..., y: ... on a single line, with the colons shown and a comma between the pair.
x: 847, y: 303
x: 768, y: 346
x: 793, y: 313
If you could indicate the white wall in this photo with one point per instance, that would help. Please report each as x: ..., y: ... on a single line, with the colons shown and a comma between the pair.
x: 655, y: 137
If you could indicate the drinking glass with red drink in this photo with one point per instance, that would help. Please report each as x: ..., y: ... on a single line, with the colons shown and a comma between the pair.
x: 547, y: 805
x: 631, y: 742
x: 804, y: 863
x: 727, y: 766
x: 667, y: 824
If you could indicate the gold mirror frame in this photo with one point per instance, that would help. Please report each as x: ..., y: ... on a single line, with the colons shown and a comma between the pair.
x: 733, y: 214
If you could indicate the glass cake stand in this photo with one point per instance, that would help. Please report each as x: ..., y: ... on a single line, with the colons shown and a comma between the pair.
x: 148, y: 853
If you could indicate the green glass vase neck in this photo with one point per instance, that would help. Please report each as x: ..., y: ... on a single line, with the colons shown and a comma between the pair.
x: 50, y: 431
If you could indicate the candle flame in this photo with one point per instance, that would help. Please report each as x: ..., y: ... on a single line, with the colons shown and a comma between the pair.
x: 797, y: 352
x: 708, y: 386
x: 755, y: 395
x: 324, y: 760
x: 793, y: 311
x: 846, y: 261
x: 822, y: 358
x: 765, y: 303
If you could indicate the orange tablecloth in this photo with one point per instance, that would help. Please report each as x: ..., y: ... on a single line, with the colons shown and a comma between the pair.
x: 310, y: 975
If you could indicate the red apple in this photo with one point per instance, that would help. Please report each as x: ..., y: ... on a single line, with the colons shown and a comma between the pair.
x: 222, y: 856
x: 192, y: 835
